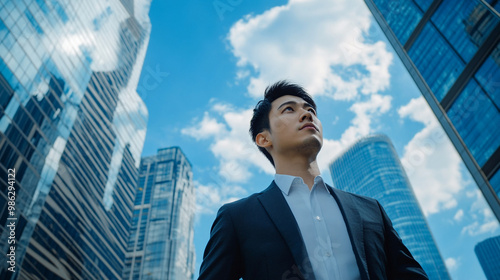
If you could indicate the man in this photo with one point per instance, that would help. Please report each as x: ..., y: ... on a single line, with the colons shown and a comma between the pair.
x: 299, y: 227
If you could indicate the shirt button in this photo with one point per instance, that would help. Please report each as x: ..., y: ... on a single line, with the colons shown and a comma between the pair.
x: 318, y: 218
x: 328, y: 254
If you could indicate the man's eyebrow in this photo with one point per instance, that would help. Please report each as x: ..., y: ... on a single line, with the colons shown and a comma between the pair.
x: 306, y: 104
x: 287, y: 103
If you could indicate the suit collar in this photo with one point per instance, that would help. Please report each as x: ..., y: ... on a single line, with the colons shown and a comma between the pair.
x: 277, y: 208
x: 354, y: 224
x: 287, y: 182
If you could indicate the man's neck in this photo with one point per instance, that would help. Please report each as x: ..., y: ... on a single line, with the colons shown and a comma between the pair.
x: 301, y: 168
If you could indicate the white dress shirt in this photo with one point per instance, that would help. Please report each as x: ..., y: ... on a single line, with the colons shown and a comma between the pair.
x: 322, y: 227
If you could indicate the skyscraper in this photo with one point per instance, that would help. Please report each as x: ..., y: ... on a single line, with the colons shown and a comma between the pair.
x: 451, y: 48
x: 371, y: 167
x: 161, y: 241
x: 487, y: 253
x: 72, y: 127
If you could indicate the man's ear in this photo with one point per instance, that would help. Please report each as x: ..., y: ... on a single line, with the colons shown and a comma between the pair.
x: 263, y: 140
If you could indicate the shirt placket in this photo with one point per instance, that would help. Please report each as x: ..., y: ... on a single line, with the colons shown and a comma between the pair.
x: 324, y: 252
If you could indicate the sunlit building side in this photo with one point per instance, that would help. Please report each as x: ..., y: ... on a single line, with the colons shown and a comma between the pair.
x: 451, y: 48
x: 72, y: 126
x: 371, y: 167
x: 161, y: 240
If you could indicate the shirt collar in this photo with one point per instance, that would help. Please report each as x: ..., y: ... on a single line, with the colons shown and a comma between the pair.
x: 285, y: 182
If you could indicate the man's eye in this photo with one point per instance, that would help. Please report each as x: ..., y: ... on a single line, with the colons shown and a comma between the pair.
x: 312, y: 111
x: 288, y: 109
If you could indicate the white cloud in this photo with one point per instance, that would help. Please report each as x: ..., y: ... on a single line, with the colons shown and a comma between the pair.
x: 313, y: 43
x: 417, y: 110
x: 459, y: 215
x: 484, y: 220
x: 208, y: 127
x: 480, y: 204
x: 365, y: 112
x: 477, y: 228
x: 211, y: 197
x: 452, y: 264
x: 231, y: 142
x: 430, y: 160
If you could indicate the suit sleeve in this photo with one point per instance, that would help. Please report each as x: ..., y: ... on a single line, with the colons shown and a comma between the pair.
x: 400, y: 262
x: 222, y: 256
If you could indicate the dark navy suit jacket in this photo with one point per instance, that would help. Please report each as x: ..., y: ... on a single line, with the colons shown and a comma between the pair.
x: 258, y: 238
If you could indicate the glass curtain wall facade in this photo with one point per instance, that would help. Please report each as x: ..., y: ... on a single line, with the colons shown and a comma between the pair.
x: 487, y: 253
x: 161, y: 240
x: 72, y: 128
x: 371, y: 167
x: 452, y: 50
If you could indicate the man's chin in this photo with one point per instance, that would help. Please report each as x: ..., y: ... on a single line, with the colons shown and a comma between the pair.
x: 312, y: 146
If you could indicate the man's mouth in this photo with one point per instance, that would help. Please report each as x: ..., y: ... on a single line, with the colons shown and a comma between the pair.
x: 309, y: 126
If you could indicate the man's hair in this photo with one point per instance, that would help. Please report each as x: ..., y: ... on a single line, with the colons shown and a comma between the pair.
x: 260, y: 119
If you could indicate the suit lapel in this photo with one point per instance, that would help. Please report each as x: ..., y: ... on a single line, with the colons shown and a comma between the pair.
x: 354, y: 226
x: 278, y: 210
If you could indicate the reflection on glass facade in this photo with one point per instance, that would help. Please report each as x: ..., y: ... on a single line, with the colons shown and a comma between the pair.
x: 440, y: 65
x: 72, y: 126
x: 372, y: 168
x: 482, y: 138
x: 161, y: 240
x: 489, y: 258
x: 402, y: 15
x: 452, y: 50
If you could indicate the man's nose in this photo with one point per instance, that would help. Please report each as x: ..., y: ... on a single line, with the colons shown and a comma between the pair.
x: 306, y: 115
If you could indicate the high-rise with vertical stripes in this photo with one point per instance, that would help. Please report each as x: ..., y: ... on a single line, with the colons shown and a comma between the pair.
x: 488, y: 254
x: 72, y: 127
x: 371, y: 167
x: 451, y: 48
x: 161, y: 240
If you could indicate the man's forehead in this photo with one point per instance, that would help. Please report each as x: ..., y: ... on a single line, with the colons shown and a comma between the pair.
x: 287, y: 98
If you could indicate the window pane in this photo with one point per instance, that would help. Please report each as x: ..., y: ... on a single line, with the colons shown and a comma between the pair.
x: 465, y: 24
x: 401, y: 15
x: 439, y: 65
x: 488, y: 76
x: 477, y: 121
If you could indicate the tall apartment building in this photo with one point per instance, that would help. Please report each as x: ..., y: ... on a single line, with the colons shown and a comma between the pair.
x: 72, y: 127
x: 488, y: 254
x: 451, y: 48
x: 371, y: 167
x: 161, y: 240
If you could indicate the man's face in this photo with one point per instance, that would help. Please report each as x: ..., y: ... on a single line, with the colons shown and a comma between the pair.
x: 294, y: 126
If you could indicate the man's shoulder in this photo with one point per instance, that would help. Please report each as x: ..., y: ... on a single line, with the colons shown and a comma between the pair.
x: 242, y: 202
x: 246, y: 202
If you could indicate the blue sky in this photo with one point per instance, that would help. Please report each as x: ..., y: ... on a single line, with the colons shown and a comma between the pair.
x: 208, y: 63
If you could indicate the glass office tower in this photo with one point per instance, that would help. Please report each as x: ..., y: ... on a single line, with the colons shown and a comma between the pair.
x: 452, y: 50
x: 488, y: 254
x: 371, y: 167
x: 72, y: 127
x: 161, y: 240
